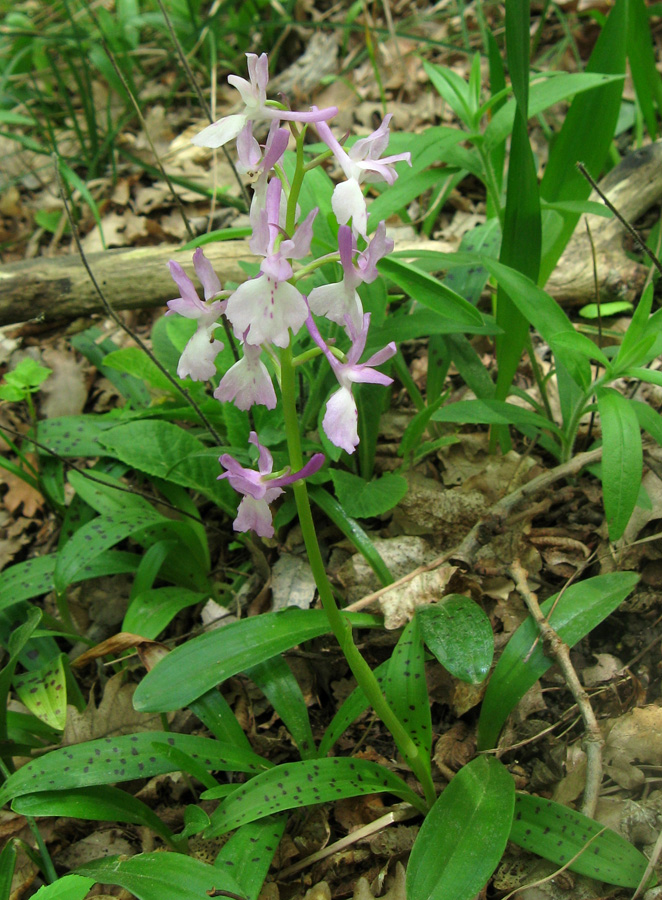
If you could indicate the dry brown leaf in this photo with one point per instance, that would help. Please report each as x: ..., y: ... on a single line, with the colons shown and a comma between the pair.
x: 396, y: 890
x: 64, y: 392
x: 21, y: 493
x: 635, y: 736
x: 398, y: 606
x: 113, y: 646
x: 114, y: 716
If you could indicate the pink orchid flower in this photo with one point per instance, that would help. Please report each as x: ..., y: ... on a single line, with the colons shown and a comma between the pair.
x: 361, y: 163
x: 254, y: 95
x: 247, y: 382
x: 265, y: 308
x: 339, y: 300
x: 341, y: 416
x: 259, y: 489
x: 198, y: 360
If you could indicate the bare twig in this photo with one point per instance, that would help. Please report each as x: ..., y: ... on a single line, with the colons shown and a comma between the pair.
x: 624, y: 222
x: 466, y: 551
x: 559, y: 651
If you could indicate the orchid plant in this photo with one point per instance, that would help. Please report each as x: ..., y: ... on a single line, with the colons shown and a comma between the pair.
x: 268, y: 314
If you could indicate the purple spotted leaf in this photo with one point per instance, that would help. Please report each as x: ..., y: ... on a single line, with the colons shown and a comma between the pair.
x: 44, y: 692
x: 406, y: 689
x: 294, y: 785
x: 247, y: 856
x: 111, y: 760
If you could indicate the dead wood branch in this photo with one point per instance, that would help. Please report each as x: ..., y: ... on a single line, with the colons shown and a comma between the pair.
x: 559, y: 651
x: 633, y: 187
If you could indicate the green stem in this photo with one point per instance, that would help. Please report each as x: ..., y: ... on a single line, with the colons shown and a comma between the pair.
x: 340, y: 626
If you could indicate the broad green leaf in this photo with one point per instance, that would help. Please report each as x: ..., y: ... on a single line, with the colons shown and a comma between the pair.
x: 542, y: 95
x: 464, y: 835
x: 276, y: 681
x: 134, y: 361
x: 453, y: 89
x: 430, y: 292
x: 557, y: 833
x: 93, y: 539
x: 99, y: 804
x: 649, y: 420
x: 641, y: 57
x: 152, y: 611
x: 578, y: 610
x: 615, y: 308
x: 622, y: 459
x: 161, y: 876
x: 248, y: 855
x: 44, y: 692
x: 579, y: 344
x: 119, y: 759
x: 70, y: 887
x: 75, y: 435
x: 352, y: 530
x: 627, y: 353
x: 406, y: 689
x: 367, y: 499
x: 169, y: 452
x: 493, y: 412
x: 459, y: 634
x: 17, y: 640
x: 294, y: 785
x: 216, y: 714
x: 200, y: 664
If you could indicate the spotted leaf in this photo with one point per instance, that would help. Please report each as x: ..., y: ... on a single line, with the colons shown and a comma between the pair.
x: 44, y: 692
x: 298, y: 784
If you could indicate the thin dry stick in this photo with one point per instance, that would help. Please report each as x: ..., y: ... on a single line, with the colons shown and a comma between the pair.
x: 557, y: 872
x: 652, y: 862
x: 559, y: 651
x: 466, y: 551
x: 396, y: 815
x: 624, y: 222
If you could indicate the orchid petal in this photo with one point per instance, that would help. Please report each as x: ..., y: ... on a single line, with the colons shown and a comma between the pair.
x: 206, y: 275
x: 254, y: 515
x: 198, y: 360
x: 218, y: 134
x: 265, y: 310
x: 348, y: 203
x: 340, y: 420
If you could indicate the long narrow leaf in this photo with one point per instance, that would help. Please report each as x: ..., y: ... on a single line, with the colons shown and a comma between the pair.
x: 464, y: 835
x: 622, y: 459
x: 200, y: 664
x: 575, y: 613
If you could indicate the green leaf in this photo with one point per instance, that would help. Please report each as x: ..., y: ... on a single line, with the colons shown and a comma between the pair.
x: 578, y: 610
x: 366, y: 499
x: 543, y: 94
x: 464, y: 835
x: 119, y: 759
x: 200, y: 664
x: 588, y: 128
x: 627, y: 353
x: 615, y: 308
x: 493, y: 412
x: 459, y: 634
x: 557, y: 833
x: 430, y: 292
x: 161, y: 876
x: 622, y: 459
x: 249, y: 853
x: 70, y: 887
x: 44, y: 692
x: 169, y: 452
x: 92, y: 539
x: 580, y: 345
x: 74, y: 435
x: 276, y: 681
x: 299, y: 784
x: 150, y: 612
x: 134, y: 361
x: 7, y: 866
x: 99, y: 804
x: 406, y: 689
x: 353, y: 531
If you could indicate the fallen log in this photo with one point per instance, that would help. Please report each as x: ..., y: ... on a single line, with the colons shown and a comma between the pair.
x: 52, y: 289
x: 49, y: 289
